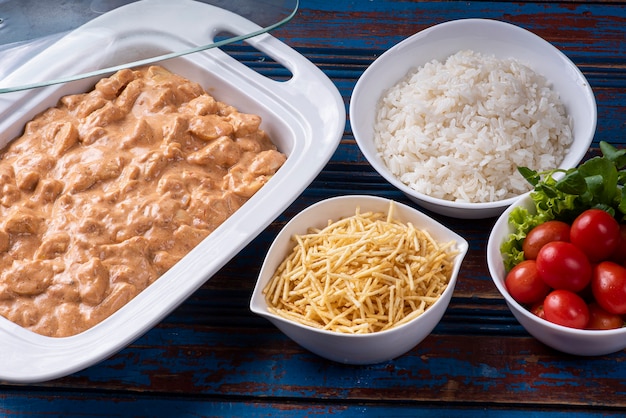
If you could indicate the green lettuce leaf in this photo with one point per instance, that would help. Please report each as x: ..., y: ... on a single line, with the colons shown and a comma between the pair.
x: 596, y: 183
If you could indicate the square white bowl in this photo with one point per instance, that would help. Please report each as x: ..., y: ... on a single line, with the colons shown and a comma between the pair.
x: 370, y: 348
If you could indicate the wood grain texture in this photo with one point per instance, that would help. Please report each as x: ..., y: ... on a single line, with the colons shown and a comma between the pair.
x: 212, y: 357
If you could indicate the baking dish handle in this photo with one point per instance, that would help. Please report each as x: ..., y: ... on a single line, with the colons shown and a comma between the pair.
x: 305, y: 76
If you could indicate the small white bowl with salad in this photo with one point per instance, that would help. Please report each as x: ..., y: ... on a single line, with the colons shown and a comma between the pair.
x: 558, y: 255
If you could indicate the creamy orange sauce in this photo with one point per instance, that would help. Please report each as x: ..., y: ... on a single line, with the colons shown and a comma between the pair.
x: 105, y: 192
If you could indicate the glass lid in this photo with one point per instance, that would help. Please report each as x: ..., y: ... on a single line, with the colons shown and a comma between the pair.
x: 46, y: 42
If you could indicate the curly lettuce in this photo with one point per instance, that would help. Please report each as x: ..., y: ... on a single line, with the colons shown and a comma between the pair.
x: 565, y: 194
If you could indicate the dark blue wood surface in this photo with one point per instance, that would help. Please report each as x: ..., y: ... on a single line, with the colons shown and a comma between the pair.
x: 212, y: 357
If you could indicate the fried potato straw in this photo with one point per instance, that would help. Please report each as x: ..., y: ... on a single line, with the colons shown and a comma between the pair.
x: 362, y: 274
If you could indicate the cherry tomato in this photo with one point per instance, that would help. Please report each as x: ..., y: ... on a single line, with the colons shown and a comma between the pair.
x: 609, y: 287
x: 599, y: 318
x: 562, y: 265
x: 537, y: 309
x: 543, y: 234
x: 566, y: 308
x: 524, y: 284
x: 619, y: 255
x: 595, y: 232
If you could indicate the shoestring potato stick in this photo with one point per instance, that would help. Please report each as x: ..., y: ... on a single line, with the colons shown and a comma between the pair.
x: 361, y: 274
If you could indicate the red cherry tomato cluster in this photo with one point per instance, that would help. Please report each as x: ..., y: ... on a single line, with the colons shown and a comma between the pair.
x: 574, y: 275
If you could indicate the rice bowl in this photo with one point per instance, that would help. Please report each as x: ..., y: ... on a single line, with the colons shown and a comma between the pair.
x: 491, y: 39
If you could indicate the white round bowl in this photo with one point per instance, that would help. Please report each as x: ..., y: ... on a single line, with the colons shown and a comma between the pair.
x: 487, y: 37
x: 567, y: 340
x: 355, y: 348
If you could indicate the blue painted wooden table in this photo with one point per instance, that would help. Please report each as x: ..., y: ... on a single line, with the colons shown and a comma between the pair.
x: 212, y: 357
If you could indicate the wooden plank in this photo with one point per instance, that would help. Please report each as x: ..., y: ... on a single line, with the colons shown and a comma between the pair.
x: 35, y: 404
x: 451, y: 369
x: 375, y: 26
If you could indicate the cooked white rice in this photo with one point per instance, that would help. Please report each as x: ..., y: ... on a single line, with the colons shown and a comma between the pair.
x: 458, y: 130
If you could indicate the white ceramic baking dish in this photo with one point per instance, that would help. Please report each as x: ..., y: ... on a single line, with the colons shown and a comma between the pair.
x: 305, y: 117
